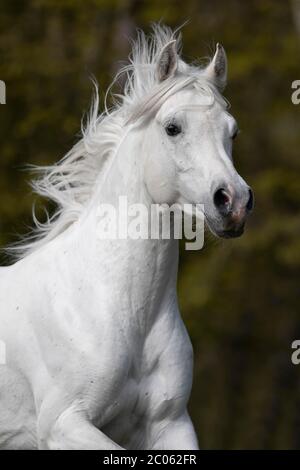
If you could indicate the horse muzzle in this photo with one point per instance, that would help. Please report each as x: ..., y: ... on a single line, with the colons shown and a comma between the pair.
x: 233, y: 208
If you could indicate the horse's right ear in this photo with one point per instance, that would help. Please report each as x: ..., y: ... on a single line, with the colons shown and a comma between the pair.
x: 216, y: 71
x: 167, y: 61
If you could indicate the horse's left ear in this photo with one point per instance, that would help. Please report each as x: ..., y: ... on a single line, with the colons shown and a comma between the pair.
x: 167, y: 61
x: 216, y: 71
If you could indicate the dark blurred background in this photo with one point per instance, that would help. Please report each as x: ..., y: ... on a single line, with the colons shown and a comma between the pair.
x: 239, y: 298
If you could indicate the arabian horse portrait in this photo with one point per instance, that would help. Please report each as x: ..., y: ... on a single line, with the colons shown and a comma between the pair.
x: 96, y: 353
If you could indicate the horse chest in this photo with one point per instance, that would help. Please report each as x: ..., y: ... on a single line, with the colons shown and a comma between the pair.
x: 157, y: 386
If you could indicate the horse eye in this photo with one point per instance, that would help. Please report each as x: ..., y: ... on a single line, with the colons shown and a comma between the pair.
x: 235, y: 134
x: 173, y: 129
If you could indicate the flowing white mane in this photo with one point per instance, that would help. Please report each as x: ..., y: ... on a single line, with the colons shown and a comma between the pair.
x: 70, y: 182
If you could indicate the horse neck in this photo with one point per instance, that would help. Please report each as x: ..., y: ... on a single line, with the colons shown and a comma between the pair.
x: 143, y: 271
x: 125, y: 177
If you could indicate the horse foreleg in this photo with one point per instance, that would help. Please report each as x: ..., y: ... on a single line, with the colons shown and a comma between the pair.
x: 176, y: 434
x: 72, y: 430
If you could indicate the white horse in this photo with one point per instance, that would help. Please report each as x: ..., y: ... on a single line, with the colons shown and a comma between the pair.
x: 97, y: 356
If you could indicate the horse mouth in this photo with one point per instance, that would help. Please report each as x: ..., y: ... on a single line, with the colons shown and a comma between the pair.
x: 225, y: 233
x: 230, y: 233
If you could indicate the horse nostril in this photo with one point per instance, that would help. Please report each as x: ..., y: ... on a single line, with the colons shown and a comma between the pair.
x: 250, y: 203
x: 222, y: 200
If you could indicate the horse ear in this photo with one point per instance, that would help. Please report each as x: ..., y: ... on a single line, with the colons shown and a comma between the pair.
x: 167, y: 61
x: 216, y: 71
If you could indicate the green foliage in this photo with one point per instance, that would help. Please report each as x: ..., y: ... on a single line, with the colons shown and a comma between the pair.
x: 239, y: 298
